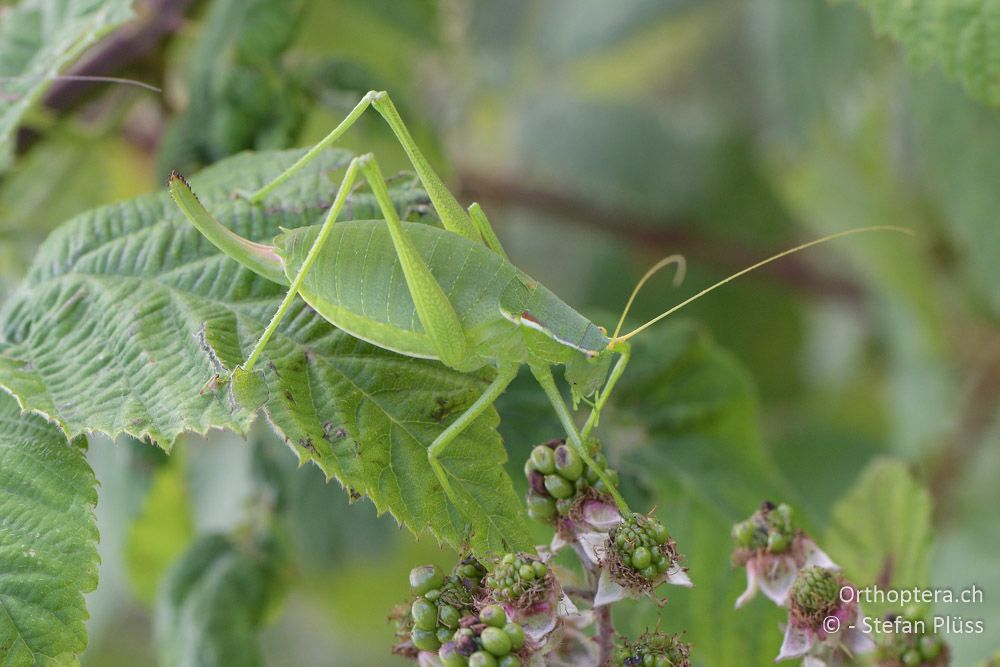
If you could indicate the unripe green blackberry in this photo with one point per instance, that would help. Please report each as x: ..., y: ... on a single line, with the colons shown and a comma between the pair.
x: 816, y: 590
x: 652, y: 650
x: 770, y: 528
x: 516, y: 574
x: 558, y: 478
x: 482, y: 642
x: 910, y: 641
x: 642, y: 545
x: 425, y: 578
x: 441, y: 602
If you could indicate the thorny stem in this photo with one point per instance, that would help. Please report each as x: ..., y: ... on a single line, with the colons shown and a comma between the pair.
x: 605, y: 634
x: 605, y: 631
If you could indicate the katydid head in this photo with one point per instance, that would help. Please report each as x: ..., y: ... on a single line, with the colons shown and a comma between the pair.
x: 586, y: 374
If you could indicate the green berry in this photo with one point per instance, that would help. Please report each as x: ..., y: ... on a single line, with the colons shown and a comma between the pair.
x: 541, y: 508
x: 564, y: 505
x: 509, y: 661
x: 493, y: 615
x: 930, y: 646
x: 778, y: 543
x: 526, y: 572
x: 912, y: 658
x: 444, y: 634
x: 649, y: 572
x: 450, y: 657
x: 662, y: 564
x: 649, y: 660
x: 590, y: 474
x: 449, y: 616
x: 816, y: 589
x: 515, y: 633
x: 558, y: 486
x: 581, y: 485
x: 425, y: 614
x: 641, y: 558
x: 425, y: 578
x: 433, y: 594
x: 743, y: 534
x: 662, y: 661
x: 495, y: 641
x: 659, y: 533
x: 425, y: 640
x: 543, y: 459
x: 482, y: 659
x: 568, y: 463
x: 540, y: 569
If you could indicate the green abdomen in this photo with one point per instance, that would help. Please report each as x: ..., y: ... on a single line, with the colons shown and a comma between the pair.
x: 357, y: 283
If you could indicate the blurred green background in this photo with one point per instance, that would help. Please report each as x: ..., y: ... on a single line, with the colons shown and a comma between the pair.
x: 599, y: 136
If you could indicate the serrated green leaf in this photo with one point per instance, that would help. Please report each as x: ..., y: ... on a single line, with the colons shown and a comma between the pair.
x: 960, y: 36
x: 39, y: 38
x: 132, y: 303
x: 213, y: 602
x: 702, y: 459
x: 48, y: 535
x: 880, y: 530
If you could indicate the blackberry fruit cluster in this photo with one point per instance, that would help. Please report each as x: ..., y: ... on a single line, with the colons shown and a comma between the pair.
x: 652, y: 649
x: 514, y: 575
x: 769, y: 528
x: 815, y: 595
x: 486, y: 640
x: 643, y: 546
x: 557, y: 476
x: 441, y: 602
x: 920, y: 648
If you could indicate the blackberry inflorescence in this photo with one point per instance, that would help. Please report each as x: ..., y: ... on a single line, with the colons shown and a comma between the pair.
x: 770, y: 528
x: 486, y: 640
x: 557, y: 477
x: 652, y: 649
x: 917, y: 646
x: 515, y: 575
x: 643, y: 546
x: 441, y: 602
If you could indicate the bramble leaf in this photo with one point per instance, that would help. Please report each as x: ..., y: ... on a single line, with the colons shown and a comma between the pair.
x: 131, y: 302
x: 880, y: 530
x: 38, y: 39
x: 48, y: 535
x: 213, y: 601
x: 960, y: 36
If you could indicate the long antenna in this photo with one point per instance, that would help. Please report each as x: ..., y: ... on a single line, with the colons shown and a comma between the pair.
x: 759, y: 264
x: 678, y: 279
x: 83, y: 77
